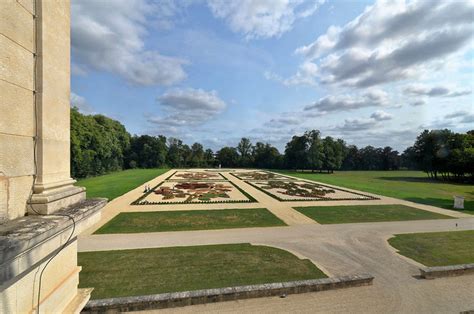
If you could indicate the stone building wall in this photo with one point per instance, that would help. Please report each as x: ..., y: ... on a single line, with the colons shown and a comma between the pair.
x: 17, y: 123
x: 41, y: 211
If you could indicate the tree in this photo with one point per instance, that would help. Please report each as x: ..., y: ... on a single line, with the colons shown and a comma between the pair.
x: 431, y: 151
x: 245, y: 149
x: 197, y: 156
x: 175, y: 153
x: 266, y: 156
x: 98, y: 144
x: 228, y: 157
x: 209, y: 158
x: 147, y: 152
x: 296, y: 153
x: 352, y: 160
x: 315, y: 150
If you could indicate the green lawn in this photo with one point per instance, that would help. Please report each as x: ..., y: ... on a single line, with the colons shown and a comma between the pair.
x: 366, y: 213
x: 115, y: 184
x: 436, y: 248
x: 151, y: 271
x: 412, y: 186
x: 190, y: 220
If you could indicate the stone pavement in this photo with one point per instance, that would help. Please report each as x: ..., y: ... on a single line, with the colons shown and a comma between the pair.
x: 340, y: 249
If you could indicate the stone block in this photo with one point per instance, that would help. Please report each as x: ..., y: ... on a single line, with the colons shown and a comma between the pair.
x: 19, y: 189
x: 16, y: 106
x: 16, y: 155
x: 16, y: 23
x: 51, y: 201
x: 447, y: 271
x: 53, y: 161
x: 16, y: 64
x: 27, y: 5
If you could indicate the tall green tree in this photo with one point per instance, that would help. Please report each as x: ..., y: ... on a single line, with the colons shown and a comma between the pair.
x: 98, y: 144
x: 197, y: 156
x: 228, y: 157
x: 315, y: 150
x: 296, y: 153
x: 245, y: 152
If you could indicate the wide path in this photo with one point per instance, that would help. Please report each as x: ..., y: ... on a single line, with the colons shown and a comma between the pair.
x: 337, y: 250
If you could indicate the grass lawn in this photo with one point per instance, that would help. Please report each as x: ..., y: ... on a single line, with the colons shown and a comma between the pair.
x: 366, y: 213
x: 160, y: 270
x: 436, y: 248
x: 412, y: 186
x: 115, y: 184
x: 190, y: 220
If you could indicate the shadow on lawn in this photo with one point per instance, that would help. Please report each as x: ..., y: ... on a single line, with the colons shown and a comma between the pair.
x: 444, y: 203
x: 422, y: 180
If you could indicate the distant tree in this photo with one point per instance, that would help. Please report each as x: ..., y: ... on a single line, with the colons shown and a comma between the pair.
x: 186, y: 154
x: 175, y: 156
x: 245, y: 152
x: 228, y: 157
x: 147, y: 152
x: 209, y: 158
x: 296, y: 153
x: 266, y: 156
x: 315, y: 150
x: 352, y: 158
x: 442, y: 153
x: 197, y: 156
x: 390, y: 159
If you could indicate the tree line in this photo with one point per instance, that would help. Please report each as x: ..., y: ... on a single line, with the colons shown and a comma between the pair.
x: 100, y: 144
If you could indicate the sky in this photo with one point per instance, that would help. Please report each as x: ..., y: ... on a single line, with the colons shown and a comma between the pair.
x: 213, y: 71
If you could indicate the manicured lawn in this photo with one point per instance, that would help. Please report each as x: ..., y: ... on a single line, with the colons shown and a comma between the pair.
x: 366, y: 213
x: 160, y: 270
x: 190, y: 220
x: 436, y: 248
x: 115, y: 184
x: 412, y: 186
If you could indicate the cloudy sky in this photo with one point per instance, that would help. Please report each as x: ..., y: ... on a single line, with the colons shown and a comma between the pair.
x: 214, y: 71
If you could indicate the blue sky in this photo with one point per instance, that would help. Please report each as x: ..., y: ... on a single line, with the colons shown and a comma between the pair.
x: 214, y: 71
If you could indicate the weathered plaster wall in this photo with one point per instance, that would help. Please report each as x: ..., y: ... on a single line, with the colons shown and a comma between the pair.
x: 17, y: 124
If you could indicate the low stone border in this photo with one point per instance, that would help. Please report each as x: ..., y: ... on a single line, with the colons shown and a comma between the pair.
x: 446, y: 271
x: 177, y: 299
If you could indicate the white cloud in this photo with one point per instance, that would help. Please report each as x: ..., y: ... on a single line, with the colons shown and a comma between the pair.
x: 306, y: 75
x: 109, y: 35
x: 436, y: 91
x: 381, y: 46
x: 262, y: 18
x: 381, y: 115
x: 461, y: 116
x: 371, y: 98
x: 80, y: 103
x: 190, y: 99
x: 420, y: 102
x: 357, y: 124
x: 186, y: 108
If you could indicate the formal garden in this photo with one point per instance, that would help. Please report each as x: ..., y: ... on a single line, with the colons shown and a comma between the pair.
x: 193, y: 187
x: 295, y: 190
